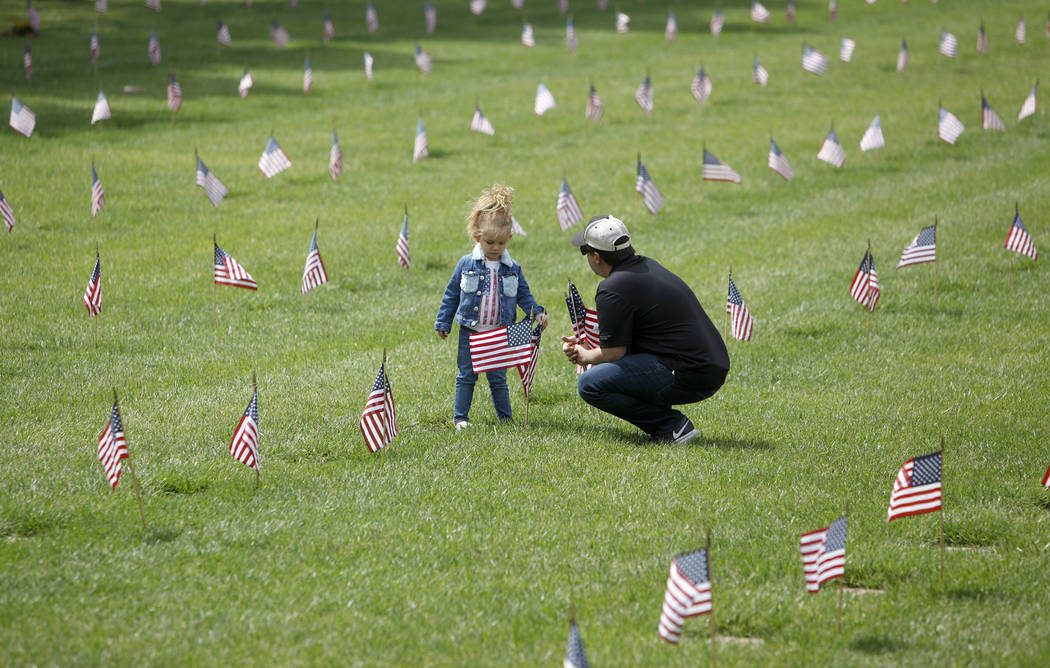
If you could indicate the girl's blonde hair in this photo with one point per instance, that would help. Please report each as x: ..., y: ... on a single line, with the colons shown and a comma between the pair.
x: 492, y: 210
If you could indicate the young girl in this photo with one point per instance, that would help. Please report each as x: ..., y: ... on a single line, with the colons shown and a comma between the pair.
x: 484, y: 293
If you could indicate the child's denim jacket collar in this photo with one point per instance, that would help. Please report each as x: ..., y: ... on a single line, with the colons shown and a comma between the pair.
x: 478, y: 254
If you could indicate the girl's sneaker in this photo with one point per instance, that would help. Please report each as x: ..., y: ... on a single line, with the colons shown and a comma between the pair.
x: 462, y: 424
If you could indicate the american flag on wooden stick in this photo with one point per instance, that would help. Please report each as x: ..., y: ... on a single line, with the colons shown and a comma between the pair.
x: 112, y: 446
x: 154, y: 48
x: 371, y: 18
x: 213, y: 187
x: 701, y: 86
x: 594, y: 105
x: 949, y: 127
x: 688, y: 593
x: 423, y: 61
x: 759, y: 14
x: 715, y: 170
x: 949, y: 45
x: 329, y: 29
x: 101, y: 111
x: 22, y: 119
x: 789, y: 12
x: 244, y: 446
x: 568, y: 209
x: 544, y: 100
x: 335, y: 157
x: 865, y: 286
x: 644, y: 186
x: 846, y: 48
x: 814, y: 61
x: 477, y: 6
x: 571, y: 41
x: 718, y: 21
x: 917, y: 488
x: 528, y: 37
x: 33, y: 15
x: 430, y: 16
x: 278, y: 34
x: 778, y: 163
x: 873, y: 138
x: 246, y: 83
x: 379, y: 419
x: 833, y: 10
x: 174, y: 94
x: 222, y: 34
x: 739, y: 316
x: 308, y: 76
x: 759, y: 74
x: 622, y: 23
x: 93, y: 291
x: 228, y: 271
x: 989, y: 119
x: 644, y: 95
x: 369, y: 62
x: 273, y: 161
x: 1019, y: 33
x: 824, y: 554
x: 902, y: 56
x: 831, y: 150
x: 420, y: 148
x: 98, y: 196
x: 314, y: 274
x: 923, y: 248
x: 404, y: 257
x: 7, y: 212
x: 1028, y: 107
x: 527, y: 371
x: 671, y: 29
x: 501, y: 348
x: 94, y: 45
x: 479, y: 123
x: 1019, y: 240
x: 982, y: 41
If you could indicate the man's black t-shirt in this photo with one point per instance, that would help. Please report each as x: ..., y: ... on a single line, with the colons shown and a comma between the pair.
x: 648, y: 309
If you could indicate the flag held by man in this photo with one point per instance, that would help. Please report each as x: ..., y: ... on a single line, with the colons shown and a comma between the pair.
x: 688, y: 593
x: 917, y: 488
x: 584, y: 320
x: 379, y: 420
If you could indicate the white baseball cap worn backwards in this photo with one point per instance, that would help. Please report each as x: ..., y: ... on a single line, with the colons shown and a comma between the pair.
x: 604, y: 233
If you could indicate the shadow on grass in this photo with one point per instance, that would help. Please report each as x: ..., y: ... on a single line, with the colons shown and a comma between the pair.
x: 162, y: 534
x: 1043, y: 502
x: 878, y: 645
x: 971, y: 594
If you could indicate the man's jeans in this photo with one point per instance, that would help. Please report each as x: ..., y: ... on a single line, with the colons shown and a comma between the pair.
x: 466, y: 378
x: 638, y: 388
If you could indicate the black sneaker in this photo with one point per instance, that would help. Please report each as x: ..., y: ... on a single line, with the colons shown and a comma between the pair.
x: 684, y: 433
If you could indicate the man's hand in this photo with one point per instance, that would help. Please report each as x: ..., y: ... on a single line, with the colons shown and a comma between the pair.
x: 568, y: 347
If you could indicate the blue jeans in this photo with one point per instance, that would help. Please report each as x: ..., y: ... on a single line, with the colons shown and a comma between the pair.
x: 466, y: 378
x: 639, y: 389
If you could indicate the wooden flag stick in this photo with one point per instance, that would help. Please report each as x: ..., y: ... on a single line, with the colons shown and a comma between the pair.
x: 935, y: 263
x: 94, y: 318
x: 838, y: 609
x: 131, y: 467
x: 214, y: 296
x: 711, y: 616
x: 940, y: 569
x: 255, y: 393
x: 870, y: 268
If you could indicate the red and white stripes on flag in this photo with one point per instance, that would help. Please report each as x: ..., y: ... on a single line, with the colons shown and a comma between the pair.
x: 314, y: 273
x: 917, y: 488
x: 865, y: 286
x: 1028, y: 108
x: 1019, y: 33
x: 379, y: 419
x: 308, y: 76
x: 430, y: 16
x: 982, y: 41
x: 404, y: 257
x: 1019, y: 240
x: 1046, y: 478
x: 228, y: 271
x: 594, y: 105
x: 527, y: 371
x: 739, y: 316
x: 701, y: 87
x: 949, y: 127
x: 584, y: 321
x: 544, y: 100
x: 824, y: 554
x: 902, y: 56
x: 479, y: 122
x: 831, y: 150
x: 718, y: 21
x: 644, y: 95
x: 568, y: 209
x: 222, y: 34
x: 174, y: 94
x: 814, y: 61
x: 778, y: 163
x: 759, y: 14
x: 989, y: 119
x: 329, y: 29
x: 101, y: 111
x: 501, y: 348
x: 213, y: 187
x: 93, y: 291
x: 246, y: 83
x: 95, y: 49
x: 335, y: 158
x: 846, y: 47
x: 759, y: 74
x: 571, y: 41
x: 371, y: 18
x: 273, y: 161
x: 112, y: 446
x: 423, y: 61
x: 98, y: 196
x: 688, y: 593
x: 644, y: 186
x: 244, y: 446
x: 671, y: 29
x: 715, y: 170
x: 949, y: 44
x: 154, y: 48
x: 873, y: 138
x: 420, y: 147
x: 7, y: 212
x: 22, y: 119
x: 923, y: 248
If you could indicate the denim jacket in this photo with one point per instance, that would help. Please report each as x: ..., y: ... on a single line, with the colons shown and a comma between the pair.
x: 462, y: 297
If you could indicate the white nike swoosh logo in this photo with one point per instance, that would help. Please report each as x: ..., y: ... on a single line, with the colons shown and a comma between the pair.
x: 678, y: 432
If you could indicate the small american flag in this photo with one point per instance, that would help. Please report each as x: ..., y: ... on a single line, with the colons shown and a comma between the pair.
x: 273, y: 160
x: 688, y: 593
x: 1019, y: 240
x: 949, y: 45
x: 739, y: 316
x: 644, y: 95
x: 98, y: 196
x: 27, y: 60
x: 477, y: 6
x: 833, y: 10
x: 778, y: 163
x: 527, y: 371
x: 100, y: 6
x: 949, y: 127
x: 824, y: 554
x: 982, y: 41
x: 314, y: 273
x: 622, y: 23
x: 544, y: 100
x: 563, y: 7
x: 244, y: 446
x: 101, y: 111
x: 989, y: 119
x: 902, y: 56
x: 584, y: 320
x: 603, y: 4
x: 479, y: 123
x: 873, y: 138
x: 1028, y: 108
x: 594, y: 105
x: 7, y: 212
x: 1019, y: 33
x: 308, y: 76
x: 789, y: 12
x: 94, y: 47
x: 701, y: 86
x: 644, y: 186
x: 759, y: 74
x: 759, y: 14
x: 22, y: 119
x: 371, y: 18
x: 245, y: 83
x: 865, y: 286
x: 153, y: 4
x: 516, y: 228
x: 404, y: 258
x: 228, y: 271
x: 379, y: 419
x: 213, y: 187
x: 716, y: 170
x: 369, y: 61
x: 501, y: 348
x: 223, y: 35
x: 671, y: 29
x: 420, y: 148
x: 423, y: 61
x: 831, y: 150
x: 93, y: 291
x: 329, y: 29
x: 335, y: 158
x: 846, y: 47
x: 430, y: 16
x: 278, y: 34
x: 517, y: 4
x: 568, y: 209
x: 528, y: 38
x: 112, y: 446
x: 571, y: 41
x: 814, y: 61
x: 718, y: 21
x: 575, y: 657
x: 154, y: 48
x: 917, y: 489
x: 33, y: 15
x: 174, y: 94
x: 1046, y: 478
x: 923, y: 248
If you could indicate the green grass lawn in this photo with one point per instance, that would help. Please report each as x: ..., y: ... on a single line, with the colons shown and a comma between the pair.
x: 469, y: 548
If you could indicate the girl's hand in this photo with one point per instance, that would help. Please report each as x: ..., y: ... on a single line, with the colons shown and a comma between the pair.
x: 443, y: 335
x: 542, y: 319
